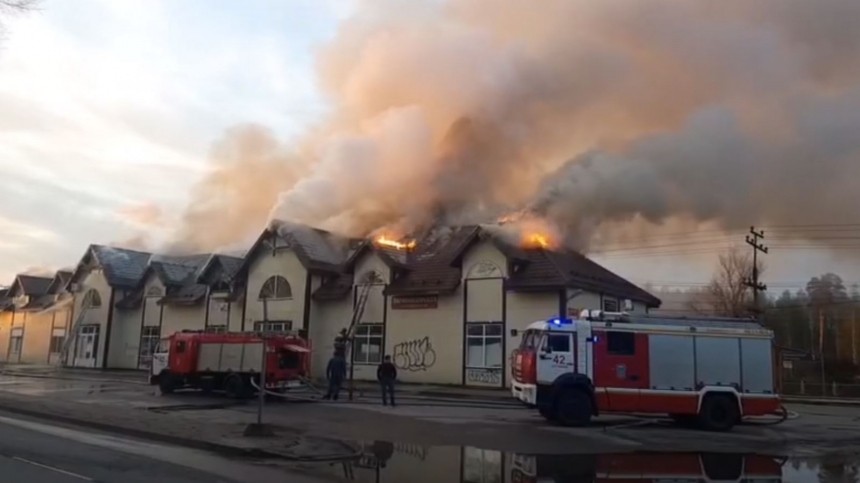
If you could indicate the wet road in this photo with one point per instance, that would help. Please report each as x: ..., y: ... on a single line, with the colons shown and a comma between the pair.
x: 37, y: 452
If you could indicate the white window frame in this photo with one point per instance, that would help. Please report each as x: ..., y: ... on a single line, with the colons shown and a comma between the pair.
x: 273, y: 326
x: 150, y: 336
x: 57, y: 334
x: 95, y: 298
x: 482, y: 465
x: 484, y: 337
x: 16, y: 340
x: 278, y: 282
x: 364, y: 332
x: 611, y: 300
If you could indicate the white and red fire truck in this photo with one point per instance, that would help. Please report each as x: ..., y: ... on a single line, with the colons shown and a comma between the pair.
x: 707, y: 371
x: 229, y: 361
x: 653, y: 467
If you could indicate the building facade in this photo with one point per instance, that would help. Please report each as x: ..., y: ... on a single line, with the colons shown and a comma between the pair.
x: 35, y: 314
x: 449, y: 310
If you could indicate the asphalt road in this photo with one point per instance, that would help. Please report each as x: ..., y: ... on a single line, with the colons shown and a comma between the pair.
x: 38, y: 452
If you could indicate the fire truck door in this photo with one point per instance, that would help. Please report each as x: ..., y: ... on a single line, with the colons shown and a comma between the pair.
x: 620, y: 369
x: 556, y: 356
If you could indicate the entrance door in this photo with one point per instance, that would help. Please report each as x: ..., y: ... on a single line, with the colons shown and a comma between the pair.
x: 87, y: 346
x: 556, y: 356
x: 620, y: 368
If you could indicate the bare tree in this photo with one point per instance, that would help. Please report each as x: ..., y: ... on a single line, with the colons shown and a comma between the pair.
x: 726, y: 294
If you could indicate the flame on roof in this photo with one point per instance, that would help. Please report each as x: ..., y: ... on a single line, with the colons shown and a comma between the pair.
x: 389, y: 242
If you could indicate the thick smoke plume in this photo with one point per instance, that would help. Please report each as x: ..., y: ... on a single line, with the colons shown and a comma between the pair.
x: 583, y: 112
x: 233, y: 202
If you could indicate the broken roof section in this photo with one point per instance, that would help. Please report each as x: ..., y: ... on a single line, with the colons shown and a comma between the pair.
x: 435, y: 267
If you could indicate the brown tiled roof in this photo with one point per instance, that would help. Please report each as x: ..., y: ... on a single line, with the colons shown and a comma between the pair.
x: 132, y: 300
x: 435, y: 268
x: 335, y: 288
x: 340, y: 285
x: 189, y: 294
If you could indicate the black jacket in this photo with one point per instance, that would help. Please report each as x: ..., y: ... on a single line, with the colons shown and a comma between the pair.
x: 336, y: 370
x: 386, y: 372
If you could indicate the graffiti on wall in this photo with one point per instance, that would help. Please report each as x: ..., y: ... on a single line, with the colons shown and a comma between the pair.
x: 492, y: 377
x: 414, y: 355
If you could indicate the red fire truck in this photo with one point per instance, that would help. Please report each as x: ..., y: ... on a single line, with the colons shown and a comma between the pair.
x: 708, y: 371
x: 229, y: 361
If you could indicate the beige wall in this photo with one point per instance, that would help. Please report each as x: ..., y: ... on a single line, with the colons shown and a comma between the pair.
x: 522, y: 310
x: 37, y: 337
x: 125, y: 339
x: 427, y: 344
x: 327, y: 319
x: 5, y: 326
x: 224, y: 313
x: 98, y: 316
x: 183, y: 317
x: 285, y: 263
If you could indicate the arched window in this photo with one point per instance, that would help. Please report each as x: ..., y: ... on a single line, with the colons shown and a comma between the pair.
x: 154, y: 291
x: 92, y: 299
x: 276, y: 287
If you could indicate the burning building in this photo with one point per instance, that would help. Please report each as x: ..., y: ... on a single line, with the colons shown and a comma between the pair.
x: 448, y: 305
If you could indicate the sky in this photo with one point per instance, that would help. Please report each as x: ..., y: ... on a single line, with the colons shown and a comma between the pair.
x: 110, y: 111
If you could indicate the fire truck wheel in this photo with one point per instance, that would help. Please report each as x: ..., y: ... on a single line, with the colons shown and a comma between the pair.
x: 573, y: 408
x: 234, y: 386
x: 166, y: 383
x: 718, y: 412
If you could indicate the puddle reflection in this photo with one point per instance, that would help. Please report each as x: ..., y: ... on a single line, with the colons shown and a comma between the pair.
x: 394, y: 462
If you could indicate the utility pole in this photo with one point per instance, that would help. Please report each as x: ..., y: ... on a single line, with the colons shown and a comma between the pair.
x: 753, y: 282
x: 821, y: 351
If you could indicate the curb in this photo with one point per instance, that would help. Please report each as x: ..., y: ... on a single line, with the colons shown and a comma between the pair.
x: 73, y: 378
x: 822, y: 402
x: 224, y: 449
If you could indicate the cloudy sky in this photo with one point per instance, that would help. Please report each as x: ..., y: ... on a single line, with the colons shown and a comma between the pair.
x: 108, y: 110
x: 113, y: 112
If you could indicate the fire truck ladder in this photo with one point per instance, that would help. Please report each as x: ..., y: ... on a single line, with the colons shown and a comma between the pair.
x: 86, y: 305
x: 370, y: 280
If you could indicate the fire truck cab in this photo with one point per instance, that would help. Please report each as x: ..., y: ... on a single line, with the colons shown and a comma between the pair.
x: 707, y: 371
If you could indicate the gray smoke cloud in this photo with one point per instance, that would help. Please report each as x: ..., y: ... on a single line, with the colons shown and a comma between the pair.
x: 587, y: 113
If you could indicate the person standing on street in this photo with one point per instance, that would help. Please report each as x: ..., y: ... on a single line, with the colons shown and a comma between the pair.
x: 386, y: 373
x: 335, y: 373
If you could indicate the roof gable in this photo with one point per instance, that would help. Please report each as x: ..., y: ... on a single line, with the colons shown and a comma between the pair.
x: 122, y: 267
x: 436, y: 267
x: 220, y: 268
x: 30, y: 285
x: 317, y: 250
x: 60, y: 281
